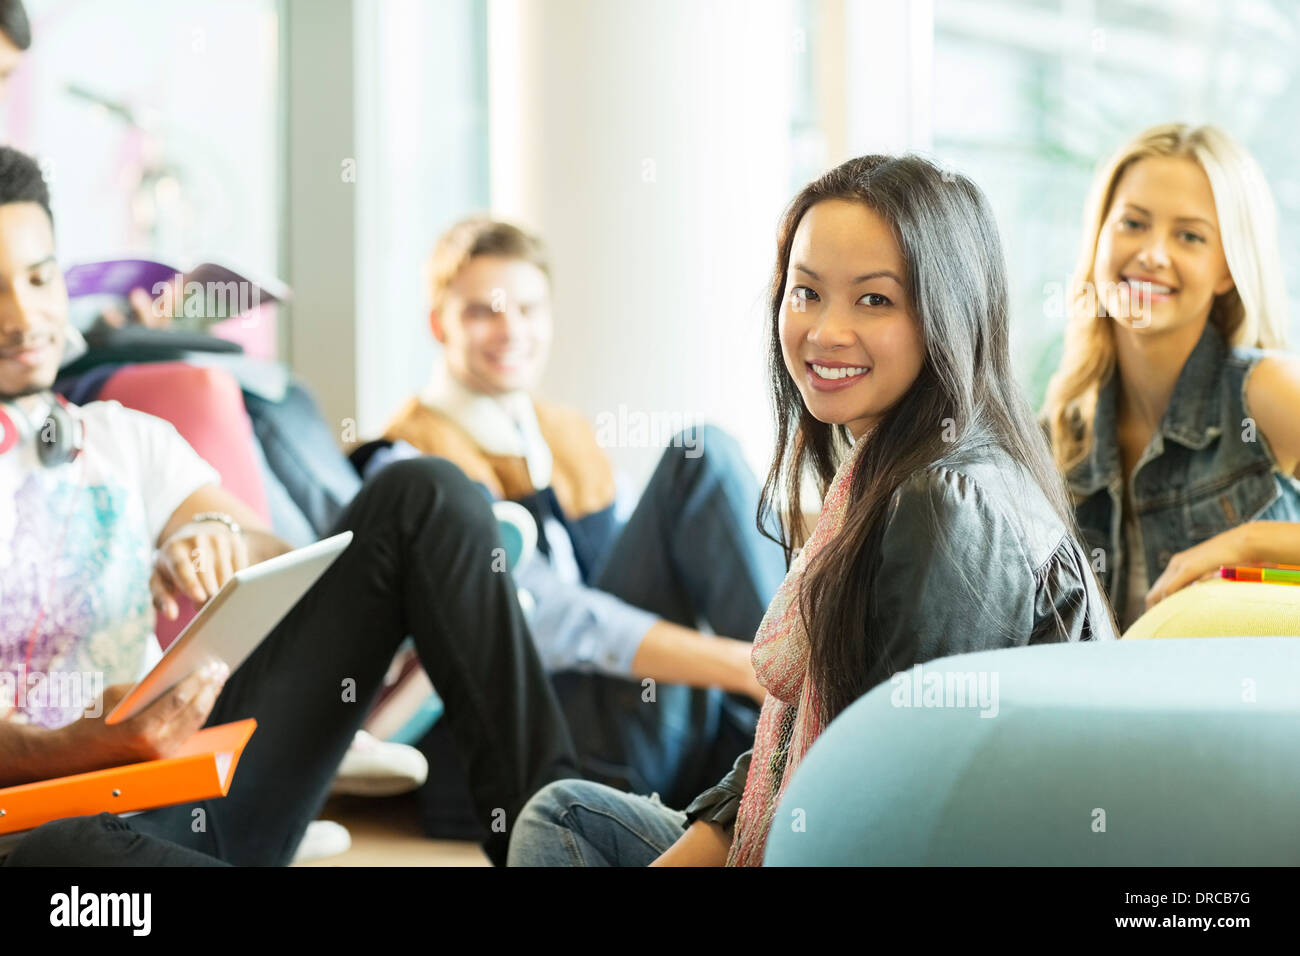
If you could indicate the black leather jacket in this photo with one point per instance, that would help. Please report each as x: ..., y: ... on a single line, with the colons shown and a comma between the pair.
x: 974, y: 558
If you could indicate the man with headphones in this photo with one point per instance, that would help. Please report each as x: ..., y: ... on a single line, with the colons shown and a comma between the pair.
x: 107, y: 514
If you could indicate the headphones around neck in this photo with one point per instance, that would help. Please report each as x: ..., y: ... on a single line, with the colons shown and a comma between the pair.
x: 59, y: 440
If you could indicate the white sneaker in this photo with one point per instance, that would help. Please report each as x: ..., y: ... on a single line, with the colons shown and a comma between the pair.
x: 518, y: 530
x: 376, y: 768
x: 323, y: 838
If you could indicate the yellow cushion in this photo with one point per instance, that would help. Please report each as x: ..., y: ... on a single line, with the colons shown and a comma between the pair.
x: 1218, y: 608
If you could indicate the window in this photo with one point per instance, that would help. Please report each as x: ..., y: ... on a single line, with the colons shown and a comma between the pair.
x: 1030, y: 96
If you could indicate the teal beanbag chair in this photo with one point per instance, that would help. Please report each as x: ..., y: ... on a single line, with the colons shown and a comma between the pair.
x: 1172, y: 752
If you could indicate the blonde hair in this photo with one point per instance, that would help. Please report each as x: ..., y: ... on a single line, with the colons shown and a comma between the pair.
x: 479, y: 236
x: 1252, y: 313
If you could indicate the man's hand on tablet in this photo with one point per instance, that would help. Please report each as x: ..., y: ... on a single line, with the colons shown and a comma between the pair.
x: 155, y: 733
x: 195, y: 561
x: 210, y: 536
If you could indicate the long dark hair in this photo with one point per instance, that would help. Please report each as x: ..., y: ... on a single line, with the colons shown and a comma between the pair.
x: 965, y: 395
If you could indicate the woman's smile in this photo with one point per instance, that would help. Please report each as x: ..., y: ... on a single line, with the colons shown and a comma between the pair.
x: 1145, y: 289
x: 834, y: 378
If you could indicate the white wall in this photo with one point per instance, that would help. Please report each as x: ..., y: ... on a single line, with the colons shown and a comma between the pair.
x: 320, y: 203
x: 421, y: 164
x: 203, y: 74
x: 649, y: 142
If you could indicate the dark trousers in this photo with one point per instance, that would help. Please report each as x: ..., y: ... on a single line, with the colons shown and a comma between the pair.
x: 691, y: 552
x: 420, y: 563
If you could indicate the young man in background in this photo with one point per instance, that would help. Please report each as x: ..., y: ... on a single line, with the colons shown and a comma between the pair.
x: 654, y: 704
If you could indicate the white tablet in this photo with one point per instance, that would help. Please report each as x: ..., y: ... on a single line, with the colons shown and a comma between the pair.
x: 233, y: 622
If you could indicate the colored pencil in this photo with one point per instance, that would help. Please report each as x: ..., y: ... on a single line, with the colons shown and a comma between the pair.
x: 1265, y: 575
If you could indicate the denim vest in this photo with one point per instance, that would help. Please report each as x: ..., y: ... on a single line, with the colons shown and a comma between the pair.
x: 1206, y: 469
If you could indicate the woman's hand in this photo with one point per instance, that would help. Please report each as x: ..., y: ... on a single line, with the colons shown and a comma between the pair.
x: 703, y: 844
x: 195, y: 561
x: 747, y: 679
x: 1200, y: 562
x: 1252, y: 543
x: 142, y: 308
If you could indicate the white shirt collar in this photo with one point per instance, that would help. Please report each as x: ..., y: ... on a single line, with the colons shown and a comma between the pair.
x: 500, y: 424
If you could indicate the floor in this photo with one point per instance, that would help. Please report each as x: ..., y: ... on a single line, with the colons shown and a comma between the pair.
x: 386, y: 832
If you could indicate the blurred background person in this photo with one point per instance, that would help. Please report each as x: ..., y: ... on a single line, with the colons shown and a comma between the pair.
x: 1168, y: 417
x: 618, y: 599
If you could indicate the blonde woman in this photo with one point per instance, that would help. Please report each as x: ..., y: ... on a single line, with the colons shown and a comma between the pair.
x: 1177, y: 431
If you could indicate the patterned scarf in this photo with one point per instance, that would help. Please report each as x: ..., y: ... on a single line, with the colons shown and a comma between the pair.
x: 788, y: 723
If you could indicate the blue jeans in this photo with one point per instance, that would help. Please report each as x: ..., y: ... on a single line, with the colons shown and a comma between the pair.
x: 580, y: 823
x: 691, y: 551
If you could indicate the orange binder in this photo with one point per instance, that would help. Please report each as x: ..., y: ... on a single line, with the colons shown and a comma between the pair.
x: 202, y: 768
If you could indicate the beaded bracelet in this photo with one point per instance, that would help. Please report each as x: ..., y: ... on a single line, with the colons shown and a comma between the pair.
x: 221, y: 516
